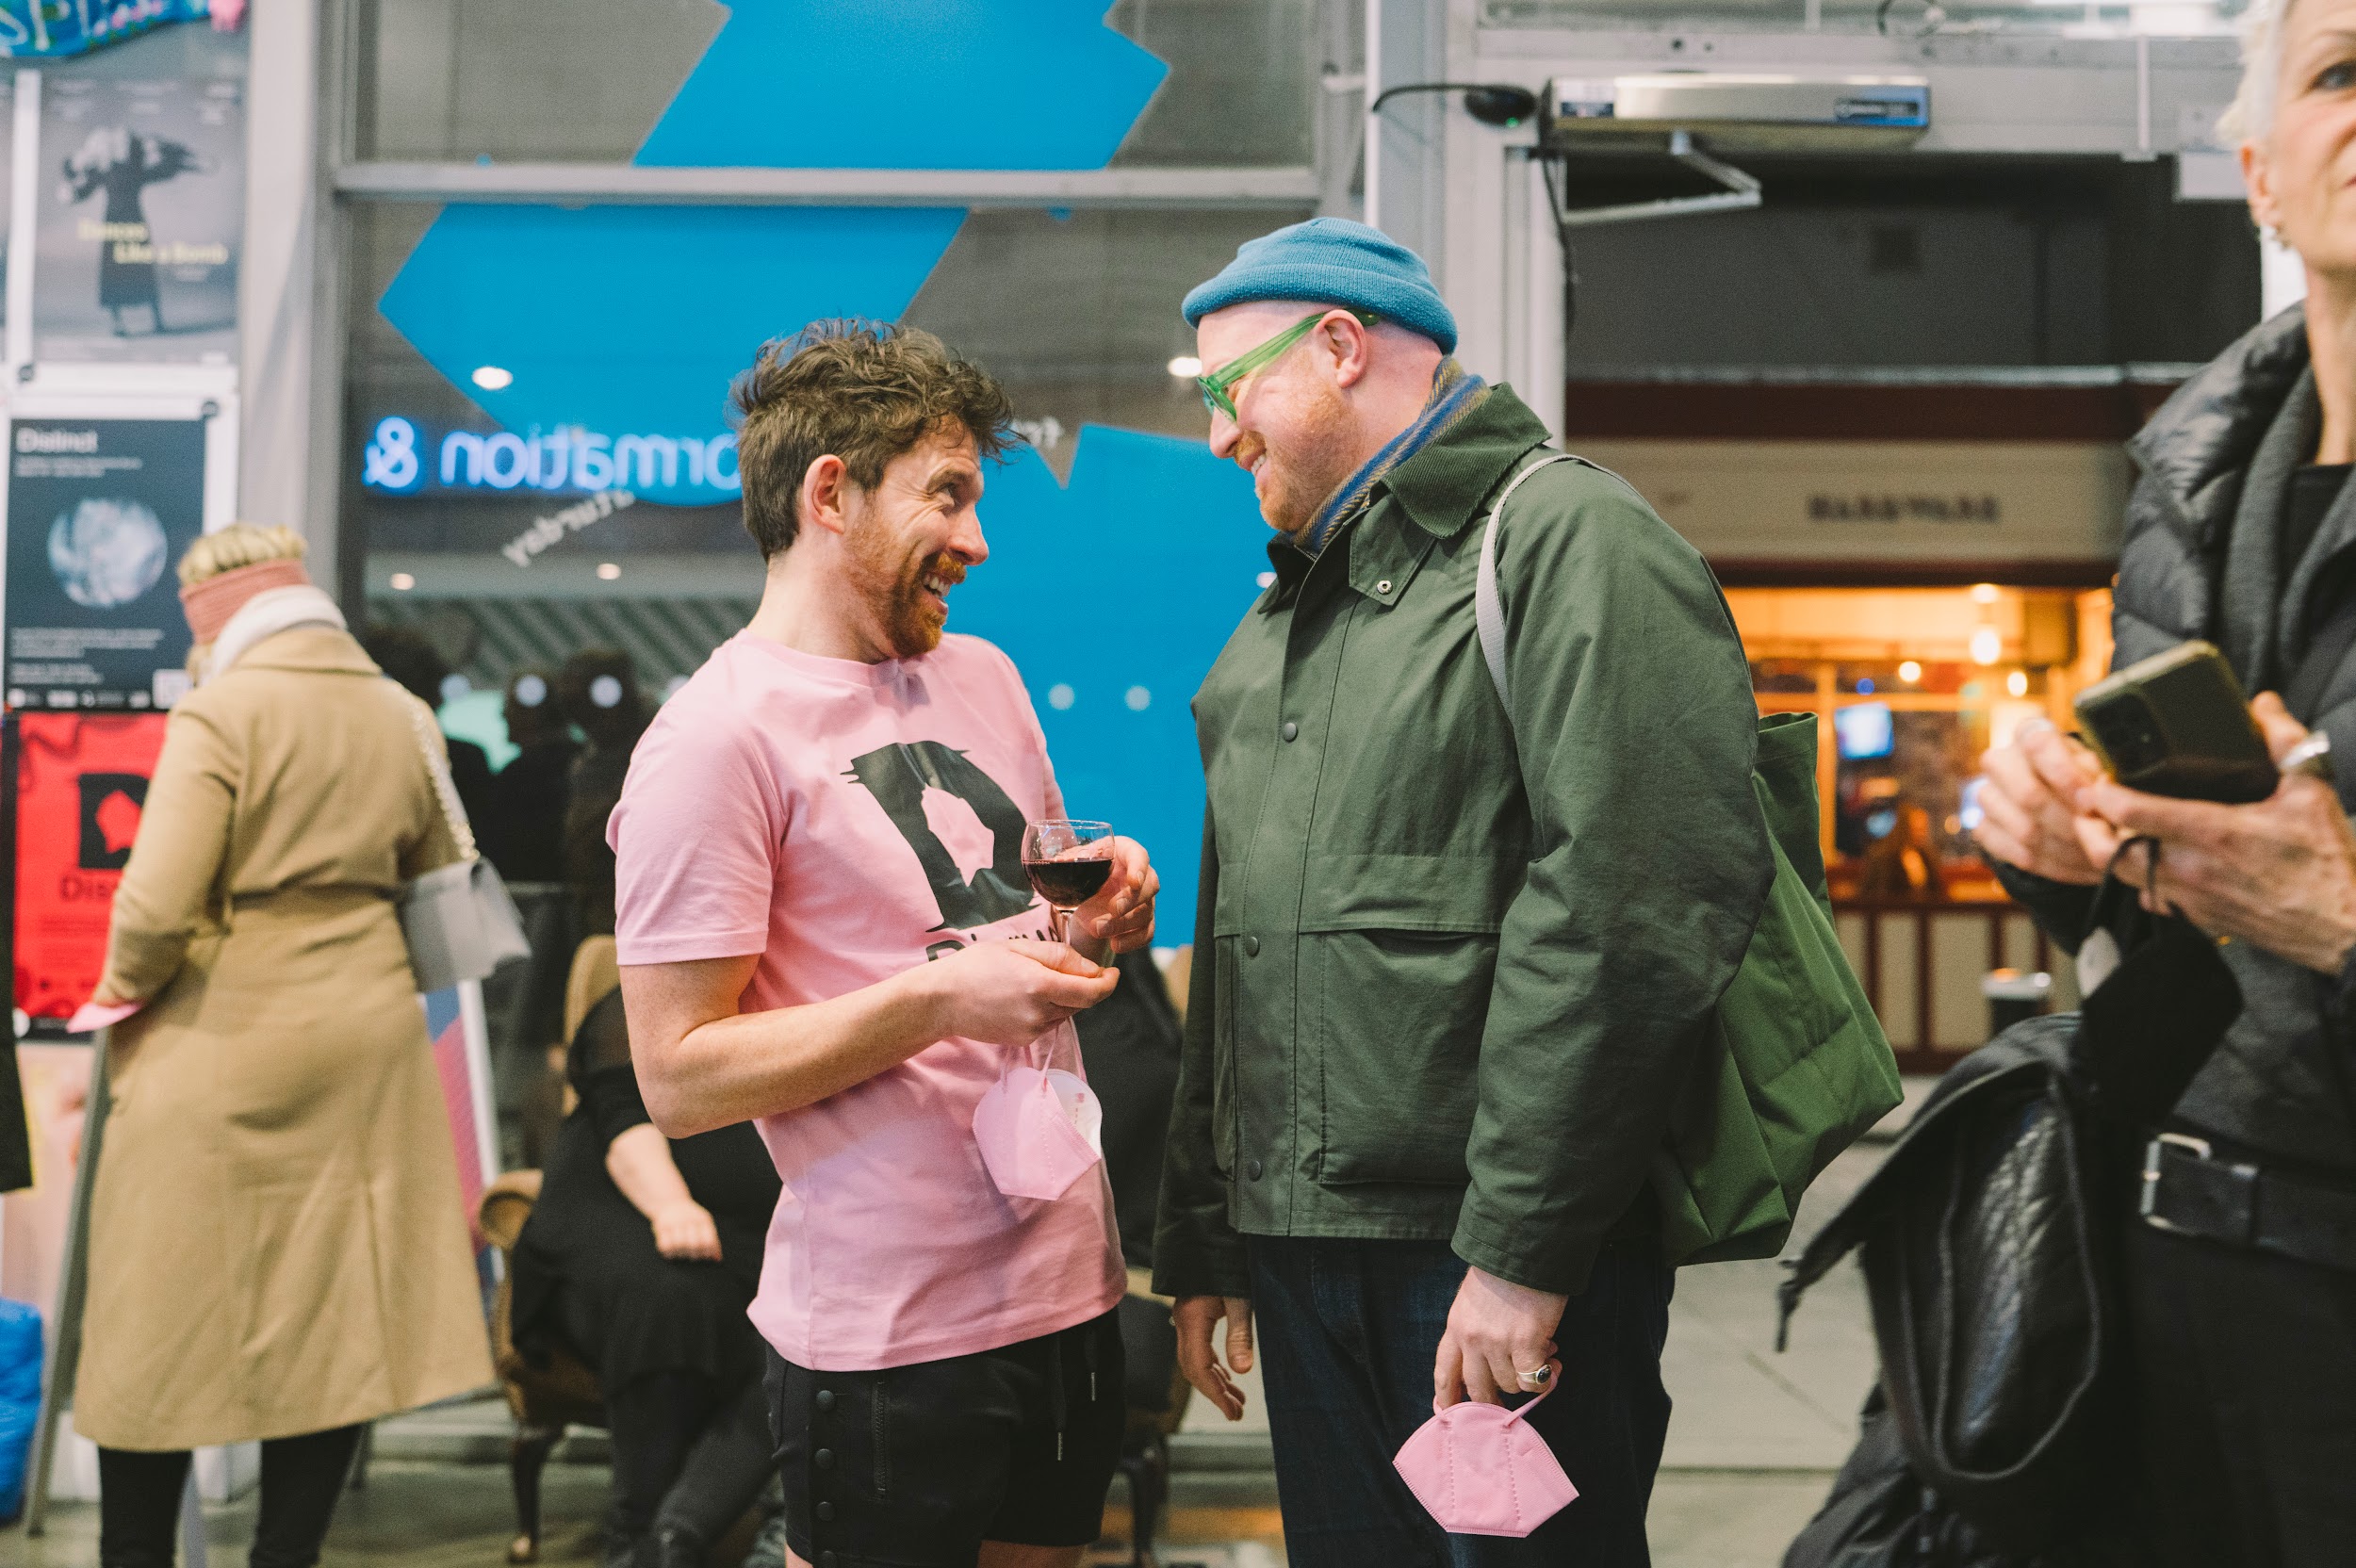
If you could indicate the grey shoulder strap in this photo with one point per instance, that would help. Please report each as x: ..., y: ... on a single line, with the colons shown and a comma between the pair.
x: 1488, y: 610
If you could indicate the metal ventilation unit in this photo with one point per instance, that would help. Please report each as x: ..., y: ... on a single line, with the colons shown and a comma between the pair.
x: 1737, y: 113
x: 1693, y: 115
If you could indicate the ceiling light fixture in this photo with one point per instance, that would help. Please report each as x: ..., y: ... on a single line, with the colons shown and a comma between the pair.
x: 493, y: 379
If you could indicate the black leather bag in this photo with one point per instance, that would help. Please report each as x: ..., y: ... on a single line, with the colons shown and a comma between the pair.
x: 1988, y: 1240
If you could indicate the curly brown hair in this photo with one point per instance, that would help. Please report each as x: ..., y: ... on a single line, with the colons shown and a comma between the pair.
x: 862, y: 391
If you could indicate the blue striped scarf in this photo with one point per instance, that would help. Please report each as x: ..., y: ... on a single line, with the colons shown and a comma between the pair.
x: 1454, y: 393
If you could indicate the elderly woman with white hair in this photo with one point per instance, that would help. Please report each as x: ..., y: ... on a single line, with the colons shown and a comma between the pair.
x: 277, y: 1246
x: 2240, y: 1268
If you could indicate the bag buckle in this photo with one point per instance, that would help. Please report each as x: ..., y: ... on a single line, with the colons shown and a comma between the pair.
x: 2222, y: 1205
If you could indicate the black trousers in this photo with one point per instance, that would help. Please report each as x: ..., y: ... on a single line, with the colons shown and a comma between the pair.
x: 688, y: 1457
x: 1347, y: 1333
x: 2246, y: 1367
x: 138, y: 1503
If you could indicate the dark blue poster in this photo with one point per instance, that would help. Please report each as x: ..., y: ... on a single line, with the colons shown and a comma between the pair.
x: 100, y: 511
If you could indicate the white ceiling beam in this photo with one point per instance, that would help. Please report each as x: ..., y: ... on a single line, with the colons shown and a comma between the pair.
x: 605, y: 182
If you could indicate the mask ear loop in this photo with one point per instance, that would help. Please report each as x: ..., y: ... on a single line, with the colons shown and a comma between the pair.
x: 2150, y: 869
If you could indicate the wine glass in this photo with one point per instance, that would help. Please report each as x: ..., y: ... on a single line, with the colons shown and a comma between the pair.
x: 1067, y: 863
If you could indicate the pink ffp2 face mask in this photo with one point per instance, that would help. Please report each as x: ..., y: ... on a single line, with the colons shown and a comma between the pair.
x: 1040, y: 1131
x: 1482, y: 1471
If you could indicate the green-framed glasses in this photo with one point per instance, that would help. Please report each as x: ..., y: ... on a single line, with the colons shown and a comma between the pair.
x: 1217, y: 396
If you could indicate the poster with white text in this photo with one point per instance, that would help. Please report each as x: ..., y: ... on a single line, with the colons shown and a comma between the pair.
x: 99, y: 512
x: 141, y: 216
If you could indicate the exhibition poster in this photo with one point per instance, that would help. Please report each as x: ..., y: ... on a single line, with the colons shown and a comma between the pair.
x: 99, y: 511
x: 81, y: 784
x: 137, y: 244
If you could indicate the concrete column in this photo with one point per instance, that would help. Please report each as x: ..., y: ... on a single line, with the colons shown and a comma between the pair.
x: 290, y: 298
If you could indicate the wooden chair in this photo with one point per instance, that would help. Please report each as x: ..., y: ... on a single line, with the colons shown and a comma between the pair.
x: 544, y: 1399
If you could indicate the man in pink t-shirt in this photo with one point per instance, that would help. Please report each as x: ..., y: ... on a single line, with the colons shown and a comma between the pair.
x: 824, y: 927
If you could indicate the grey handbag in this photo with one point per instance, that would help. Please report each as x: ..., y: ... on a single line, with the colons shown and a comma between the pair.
x: 458, y: 920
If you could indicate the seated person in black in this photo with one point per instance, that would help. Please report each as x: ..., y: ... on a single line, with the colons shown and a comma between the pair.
x: 640, y: 1257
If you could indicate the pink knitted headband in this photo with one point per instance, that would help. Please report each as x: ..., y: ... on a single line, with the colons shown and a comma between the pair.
x: 210, y: 603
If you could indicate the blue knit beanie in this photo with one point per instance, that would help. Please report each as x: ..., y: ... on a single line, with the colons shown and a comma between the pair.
x: 1332, y: 261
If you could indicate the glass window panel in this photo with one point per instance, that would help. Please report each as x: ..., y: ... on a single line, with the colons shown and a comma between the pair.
x: 523, y: 80
x: 586, y: 79
x: 1077, y: 315
x: 1898, y: 801
x: 1240, y: 85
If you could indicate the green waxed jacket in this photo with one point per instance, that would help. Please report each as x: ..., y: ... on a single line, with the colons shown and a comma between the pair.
x: 1447, y: 986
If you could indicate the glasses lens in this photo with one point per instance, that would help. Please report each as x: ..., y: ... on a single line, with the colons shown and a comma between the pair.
x: 1215, y: 399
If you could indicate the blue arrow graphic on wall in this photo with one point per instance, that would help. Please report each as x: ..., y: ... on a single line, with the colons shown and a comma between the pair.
x: 635, y: 318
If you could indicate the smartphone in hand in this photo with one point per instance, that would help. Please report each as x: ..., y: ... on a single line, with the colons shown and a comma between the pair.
x: 2177, y: 724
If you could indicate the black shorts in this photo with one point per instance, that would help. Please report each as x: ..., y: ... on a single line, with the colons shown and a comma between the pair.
x: 916, y: 1466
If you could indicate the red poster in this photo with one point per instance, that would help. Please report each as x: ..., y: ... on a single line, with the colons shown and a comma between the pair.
x: 81, y: 781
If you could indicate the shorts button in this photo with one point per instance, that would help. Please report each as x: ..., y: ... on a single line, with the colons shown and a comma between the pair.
x: 1292, y: 730
x: 1253, y: 1170
x: 825, y: 1398
x: 1252, y: 947
x: 825, y: 1457
x: 825, y: 1513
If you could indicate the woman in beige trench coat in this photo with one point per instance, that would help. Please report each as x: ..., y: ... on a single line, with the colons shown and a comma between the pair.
x: 277, y: 1248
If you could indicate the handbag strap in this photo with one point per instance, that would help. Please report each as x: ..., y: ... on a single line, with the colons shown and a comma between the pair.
x: 1488, y: 607
x: 437, y: 769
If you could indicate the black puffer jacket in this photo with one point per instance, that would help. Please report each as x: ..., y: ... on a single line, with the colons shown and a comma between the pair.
x: 2278, y: 1086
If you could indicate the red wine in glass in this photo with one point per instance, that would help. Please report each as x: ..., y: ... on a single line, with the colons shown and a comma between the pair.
x: 1068, y: 862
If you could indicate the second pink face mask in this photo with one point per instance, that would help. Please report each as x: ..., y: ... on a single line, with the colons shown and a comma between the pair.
x: 1041, y: 1130
x: 1482, y: 1471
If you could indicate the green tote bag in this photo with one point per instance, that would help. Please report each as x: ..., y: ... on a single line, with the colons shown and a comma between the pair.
x: 1796, y: 1067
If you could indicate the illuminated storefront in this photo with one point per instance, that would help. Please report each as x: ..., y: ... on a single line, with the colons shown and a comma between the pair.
x: 1922, y: 596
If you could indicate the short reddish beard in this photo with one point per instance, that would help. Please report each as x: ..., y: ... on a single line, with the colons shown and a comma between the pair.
x: 891, y: 583
x: 1309, y: 469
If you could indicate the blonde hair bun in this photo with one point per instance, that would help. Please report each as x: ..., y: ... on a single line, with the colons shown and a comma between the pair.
x: 238, y: 545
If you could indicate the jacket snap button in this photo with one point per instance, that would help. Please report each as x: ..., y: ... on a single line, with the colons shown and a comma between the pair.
x: 1291, y: 730
x: 1383, y: 586
x: 1252, y: 947
x: 825, y: 1398
x: 1252, y: 1170
x: 825, y: 1513
x: 827, y: 1559
x: 825, y: 1457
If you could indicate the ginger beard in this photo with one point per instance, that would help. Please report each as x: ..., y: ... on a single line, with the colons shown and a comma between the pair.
x: 1301, y: 470
x: 905, y: 588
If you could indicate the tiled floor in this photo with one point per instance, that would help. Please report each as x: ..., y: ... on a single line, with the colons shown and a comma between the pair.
x: 1752, y: 1447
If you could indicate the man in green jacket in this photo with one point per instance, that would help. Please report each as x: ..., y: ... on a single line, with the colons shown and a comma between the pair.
x: 1453, y: 966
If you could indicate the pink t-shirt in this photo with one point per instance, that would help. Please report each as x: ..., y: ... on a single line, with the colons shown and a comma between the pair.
x: 845, y: 821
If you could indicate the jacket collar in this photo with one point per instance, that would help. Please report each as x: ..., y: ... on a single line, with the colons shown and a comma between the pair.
x: 2198, y: 445
x: 321, y: 649
x: 1440, y: 489
x: 1442, y: 486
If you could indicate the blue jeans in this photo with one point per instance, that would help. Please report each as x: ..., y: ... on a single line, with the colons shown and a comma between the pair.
x: 1347, y: 1333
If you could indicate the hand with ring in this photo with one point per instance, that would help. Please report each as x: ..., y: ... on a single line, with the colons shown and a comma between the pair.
x: 1497, y: 1331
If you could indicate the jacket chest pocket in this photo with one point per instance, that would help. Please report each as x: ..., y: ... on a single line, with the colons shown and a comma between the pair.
x: 1403, y: 956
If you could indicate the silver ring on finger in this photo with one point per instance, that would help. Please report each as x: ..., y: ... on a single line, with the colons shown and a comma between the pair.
x: 1535, y: 1382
